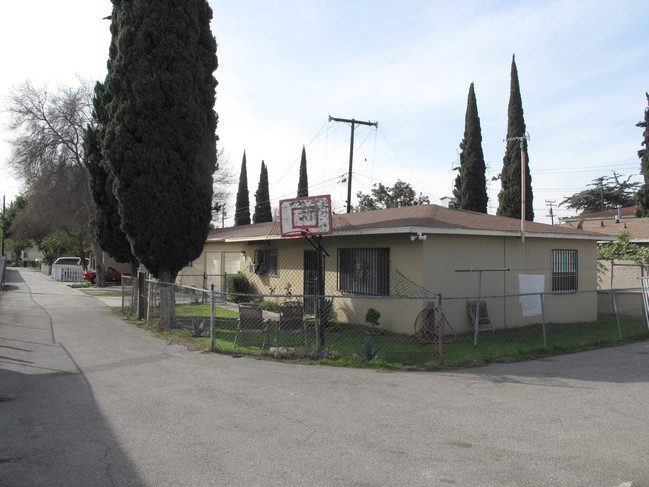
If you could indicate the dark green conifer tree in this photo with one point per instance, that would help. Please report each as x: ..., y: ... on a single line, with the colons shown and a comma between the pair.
x: 642, y: 196
x: 106, y: 220
x: 263, y: 211
x: 303, y: 184
x: 510, y: 178
x: 470, y: 184
x: 160, y: 141
x: 242, y: 209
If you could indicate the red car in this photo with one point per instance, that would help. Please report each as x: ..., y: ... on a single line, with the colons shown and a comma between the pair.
x: 110, y: 275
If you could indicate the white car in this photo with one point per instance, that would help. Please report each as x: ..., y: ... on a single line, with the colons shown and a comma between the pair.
x: 67, y: 269
x: 67, y: 261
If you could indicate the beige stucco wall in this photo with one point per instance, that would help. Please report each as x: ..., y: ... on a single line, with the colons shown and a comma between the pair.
x: 429, y: 266
x: 216, y: 260
x: 626, y: 274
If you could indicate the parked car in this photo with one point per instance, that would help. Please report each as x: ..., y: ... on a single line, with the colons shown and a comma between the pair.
x: 67, y: 261
x: 110, y: 275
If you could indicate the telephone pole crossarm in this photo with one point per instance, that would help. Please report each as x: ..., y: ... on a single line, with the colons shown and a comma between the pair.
x: 353, y: 123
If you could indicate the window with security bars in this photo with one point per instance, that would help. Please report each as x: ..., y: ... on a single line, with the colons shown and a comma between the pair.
x: 266, y: 261
x: 564, y: 270
x: 364, y: 271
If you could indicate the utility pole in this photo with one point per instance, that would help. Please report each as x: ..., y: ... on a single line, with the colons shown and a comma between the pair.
x: 3, y: 225
x: 523, y: 180
x: 551, y: 215
x: 351, y: 153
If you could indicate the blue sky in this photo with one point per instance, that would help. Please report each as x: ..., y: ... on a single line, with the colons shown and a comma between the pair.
x: 284, y: 67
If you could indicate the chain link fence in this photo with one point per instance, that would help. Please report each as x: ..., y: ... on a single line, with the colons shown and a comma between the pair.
x: 420, y: 331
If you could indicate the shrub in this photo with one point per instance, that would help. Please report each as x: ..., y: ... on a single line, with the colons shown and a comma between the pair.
x: 198, y: 328
x: 235, y: 285
x: 372, y: 316
x: 328, y: 312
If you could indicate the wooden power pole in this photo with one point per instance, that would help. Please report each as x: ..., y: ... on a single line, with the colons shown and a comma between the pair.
x: 521, y: 140
x: 351, y: 153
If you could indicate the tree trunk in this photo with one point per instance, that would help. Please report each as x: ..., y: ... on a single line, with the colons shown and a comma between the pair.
x: 99, y: 264
x: 82, y: 254
x: 167, y: 299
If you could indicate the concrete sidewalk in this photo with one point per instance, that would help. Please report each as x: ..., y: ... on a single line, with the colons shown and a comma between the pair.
x: 89, y: 399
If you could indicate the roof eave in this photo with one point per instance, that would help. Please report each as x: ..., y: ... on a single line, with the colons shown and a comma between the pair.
x: 481, y: 232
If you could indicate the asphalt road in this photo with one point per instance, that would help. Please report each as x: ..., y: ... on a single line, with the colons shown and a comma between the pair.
x: 90, y: 400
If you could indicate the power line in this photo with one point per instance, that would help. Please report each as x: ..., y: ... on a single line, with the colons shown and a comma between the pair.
x: 351, y: 153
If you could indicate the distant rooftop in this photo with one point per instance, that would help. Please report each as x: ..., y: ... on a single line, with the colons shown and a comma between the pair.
x: 627, y: 212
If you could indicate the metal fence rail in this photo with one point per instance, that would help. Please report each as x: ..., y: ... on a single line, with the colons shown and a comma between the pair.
x: 421, y: 331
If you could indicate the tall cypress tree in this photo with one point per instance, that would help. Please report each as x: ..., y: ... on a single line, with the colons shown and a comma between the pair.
x: 242, y: 209
x: 107, y: 221
x: 303, y: 184
x: 263, y: 211
x: 471, y: 185
x: 510, y: 177
x: 642, y: 196
x: 160, y: 141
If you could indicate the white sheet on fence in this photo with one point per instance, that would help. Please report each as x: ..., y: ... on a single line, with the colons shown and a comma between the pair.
x: 529, y: 283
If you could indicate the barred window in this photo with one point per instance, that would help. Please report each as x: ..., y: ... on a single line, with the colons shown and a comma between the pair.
x: 266, y: 259
x: 564, y: 270
x: 364, y: 271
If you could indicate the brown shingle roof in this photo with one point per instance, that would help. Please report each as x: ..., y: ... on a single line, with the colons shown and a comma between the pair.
x: 637, y: 228
x: 429, y: 219
x: 627, y: 212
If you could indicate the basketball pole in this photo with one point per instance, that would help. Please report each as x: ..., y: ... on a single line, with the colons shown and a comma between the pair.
x: 298, y: 217
x: 353, y: 122
x: 316, y: 243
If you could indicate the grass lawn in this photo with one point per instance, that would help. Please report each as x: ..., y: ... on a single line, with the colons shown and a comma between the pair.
x: 346, y: 343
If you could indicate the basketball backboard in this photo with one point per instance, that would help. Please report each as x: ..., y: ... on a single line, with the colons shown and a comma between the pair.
x: 305, y: 216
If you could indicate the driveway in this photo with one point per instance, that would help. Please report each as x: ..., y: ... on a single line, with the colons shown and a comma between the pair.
x: 90, y: 400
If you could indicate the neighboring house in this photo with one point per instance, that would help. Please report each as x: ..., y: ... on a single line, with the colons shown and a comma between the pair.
x: 108, y: 261
x: 30, y: 256
x: 412, y: 251
x: 623, y: 274
x: 612, y: 222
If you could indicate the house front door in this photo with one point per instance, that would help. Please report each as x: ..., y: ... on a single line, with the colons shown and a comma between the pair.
x: 310, y: 280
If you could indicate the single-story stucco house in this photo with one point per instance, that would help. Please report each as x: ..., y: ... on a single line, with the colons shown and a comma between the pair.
x: 413, y: 251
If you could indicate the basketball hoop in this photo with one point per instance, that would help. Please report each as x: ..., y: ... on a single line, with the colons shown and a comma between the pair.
x: 302, y: 233
x: 311, y: 215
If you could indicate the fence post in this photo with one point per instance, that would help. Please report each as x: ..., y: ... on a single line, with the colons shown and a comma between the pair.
x: 440, y: 329
x: 212, y: 319
x: 141, y: 302
x: 545, y: 339
x: 317, y: 323
x: 617, y: 315
x: 205, y: 284
x: 149, y: 298
x: 477, y: 311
